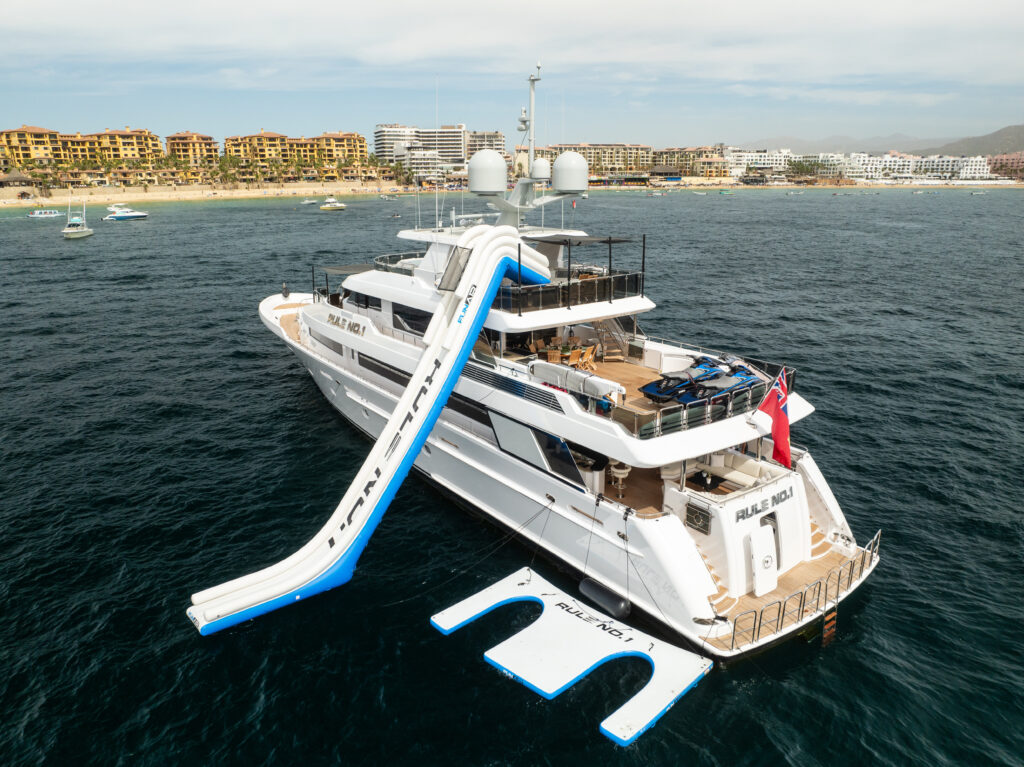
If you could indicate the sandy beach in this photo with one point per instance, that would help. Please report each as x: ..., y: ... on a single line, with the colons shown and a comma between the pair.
x: 134, y: 194
x: 107, y: 195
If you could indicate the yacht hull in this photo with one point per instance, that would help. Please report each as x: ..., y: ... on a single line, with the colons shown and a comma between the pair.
x: 565, y: 522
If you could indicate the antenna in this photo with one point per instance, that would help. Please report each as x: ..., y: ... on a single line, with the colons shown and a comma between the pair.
x: 534, y: 79
x: 437, y: 143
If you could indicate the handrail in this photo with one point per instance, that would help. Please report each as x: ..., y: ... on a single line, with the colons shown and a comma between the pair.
x: 799, y: 595
x: 682, y: 417
x: 827, y: 591
x: 778, y: 615
x: 532, y: 298
x: 389, y: 261
x: 736, y: 623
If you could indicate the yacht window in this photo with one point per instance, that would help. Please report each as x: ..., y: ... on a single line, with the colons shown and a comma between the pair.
x: 543, y: 450
x: 331, y: 344
x: 409, y: 319
x: 559, y: 457
x: 384, y: 370
x: 363, y: 301
x: 456, y: 402
x: 482, y: 351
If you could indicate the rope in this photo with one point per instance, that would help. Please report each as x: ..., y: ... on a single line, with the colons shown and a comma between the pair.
x: 593, y: 520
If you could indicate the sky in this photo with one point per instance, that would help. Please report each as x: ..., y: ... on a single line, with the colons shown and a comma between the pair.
x: 661, y: 73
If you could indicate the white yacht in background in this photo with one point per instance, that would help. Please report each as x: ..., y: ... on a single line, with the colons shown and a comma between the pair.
x: 44, y: 213
x: 332, y: 204
x: 119, y: 211
x: 642, y: 465
x: 76, y: 227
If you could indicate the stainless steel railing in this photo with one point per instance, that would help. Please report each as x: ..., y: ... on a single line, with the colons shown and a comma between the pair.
x: 748, y: 626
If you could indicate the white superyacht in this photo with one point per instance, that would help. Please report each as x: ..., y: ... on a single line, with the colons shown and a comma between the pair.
x: 643, y: 465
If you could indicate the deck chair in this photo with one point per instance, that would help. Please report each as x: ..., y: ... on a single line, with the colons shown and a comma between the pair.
x: 554, y: 356
x: 540, y: 344
x: 587, y: 360
x: 533, y: 348
x: 575, y: 340
x: 574, y: 357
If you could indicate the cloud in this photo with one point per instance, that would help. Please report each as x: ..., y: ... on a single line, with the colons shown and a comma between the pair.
x: 655, y: 42
x: 835, y: 95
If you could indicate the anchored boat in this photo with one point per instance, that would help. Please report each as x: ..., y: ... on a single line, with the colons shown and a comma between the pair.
x: 119, y: 211
x: 492, y: 359
x: 76, y: 228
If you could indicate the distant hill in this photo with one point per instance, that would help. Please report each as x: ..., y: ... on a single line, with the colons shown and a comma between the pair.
x: 1004, y: 140
x: 846, y: 144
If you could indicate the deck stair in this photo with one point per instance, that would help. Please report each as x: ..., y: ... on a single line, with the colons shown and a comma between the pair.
x: 720, y: 601
x: 820, y: 545
x: 613, y: 351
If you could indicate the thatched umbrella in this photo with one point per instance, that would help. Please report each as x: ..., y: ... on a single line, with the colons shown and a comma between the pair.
x: 16, y: 178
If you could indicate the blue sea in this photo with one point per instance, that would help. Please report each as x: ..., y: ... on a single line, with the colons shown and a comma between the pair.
x: 158, y: 440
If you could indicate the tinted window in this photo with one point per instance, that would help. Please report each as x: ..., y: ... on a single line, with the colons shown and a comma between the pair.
x: 409, y: 319
x: 362, y: 301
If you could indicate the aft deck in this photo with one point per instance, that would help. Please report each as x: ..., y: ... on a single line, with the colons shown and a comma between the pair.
x: 805, y: 591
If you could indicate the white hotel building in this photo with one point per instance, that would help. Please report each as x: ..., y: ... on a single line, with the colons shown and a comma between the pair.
x: 860, y: 165
x: 430, y: 153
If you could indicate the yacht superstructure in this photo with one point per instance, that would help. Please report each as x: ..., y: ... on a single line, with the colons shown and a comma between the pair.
x: 643, y: 465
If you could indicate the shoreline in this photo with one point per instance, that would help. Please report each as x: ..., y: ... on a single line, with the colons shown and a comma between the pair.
x: 108, y: 195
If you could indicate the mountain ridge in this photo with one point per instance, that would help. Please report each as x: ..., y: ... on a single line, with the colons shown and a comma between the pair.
x: 1002, y: 141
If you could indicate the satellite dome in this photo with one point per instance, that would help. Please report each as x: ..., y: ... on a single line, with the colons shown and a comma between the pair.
x: 488, y: 173
x: 541, y: 169
x: 570, y: 175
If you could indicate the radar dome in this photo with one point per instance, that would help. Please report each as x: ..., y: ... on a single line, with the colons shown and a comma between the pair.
x: 541, y: 169
x: 570, y: 174
x: 488, y: 173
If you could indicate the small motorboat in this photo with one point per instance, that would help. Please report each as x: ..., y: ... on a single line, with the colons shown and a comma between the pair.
x: 331, y: 204
x: 76, y: 227
x: 701, y: 194
x: 45, y: 213
x: 121, y: 212
x: 309, y: 202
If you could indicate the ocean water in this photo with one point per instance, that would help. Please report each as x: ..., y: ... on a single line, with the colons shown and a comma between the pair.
x: 158, y: 440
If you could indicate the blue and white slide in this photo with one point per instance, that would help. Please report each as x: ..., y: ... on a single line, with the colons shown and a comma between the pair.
x: 329, y: 559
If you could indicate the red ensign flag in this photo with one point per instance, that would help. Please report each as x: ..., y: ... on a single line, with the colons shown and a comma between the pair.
x: 776, y: 405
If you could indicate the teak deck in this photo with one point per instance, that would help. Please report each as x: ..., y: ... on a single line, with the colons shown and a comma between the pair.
x: 796, y: 580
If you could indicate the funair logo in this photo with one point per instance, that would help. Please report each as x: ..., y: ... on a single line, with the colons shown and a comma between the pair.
x: 465, y: 306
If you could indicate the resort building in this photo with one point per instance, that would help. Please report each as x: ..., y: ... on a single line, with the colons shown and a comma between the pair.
x: 79, y: 148
x: 32, y: 144
x: 387, y: 136
x: 195, y: 148
x: 341, y: 146
x: 494, y: 139
x: 424, y: 164
x: 449, y: 141
x: 1011, y: 165
x: 742, y: 161
x: 128, y: 144
x: 944, y: 167
x: 262, y: 146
